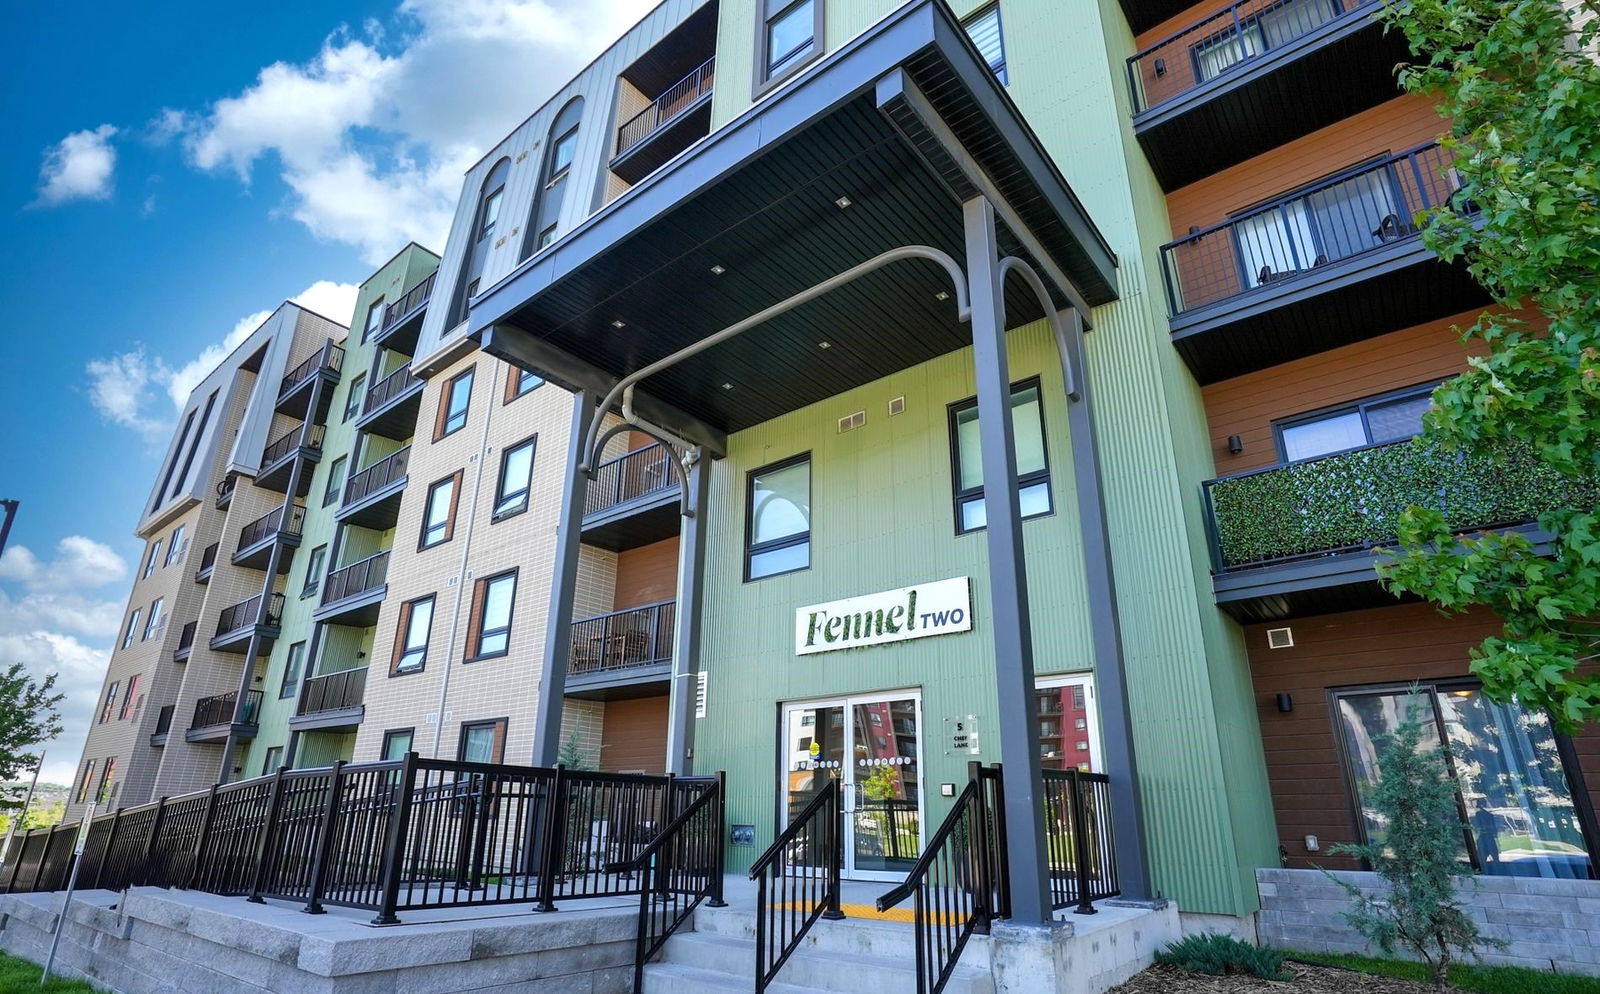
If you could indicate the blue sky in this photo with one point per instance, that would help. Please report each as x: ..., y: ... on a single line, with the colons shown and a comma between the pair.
x: 172, y: 176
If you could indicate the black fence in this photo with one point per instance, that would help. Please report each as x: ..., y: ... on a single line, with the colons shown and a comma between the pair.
x: 629, y: 476
x: 219, y: 709
x: 1077, y: 822
x: 334, y: 691
x: 330, y: 357
x: 414, y: 297
x: 357, y: 578
x: 377, y: 476
x: 623, y: 640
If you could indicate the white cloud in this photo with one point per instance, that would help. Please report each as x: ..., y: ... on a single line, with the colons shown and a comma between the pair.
x: 78, y: 167
x: 120, y: 388
x: 80, y: 563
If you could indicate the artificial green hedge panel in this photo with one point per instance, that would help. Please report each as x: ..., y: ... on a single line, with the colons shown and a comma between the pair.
x: 1354, y: 500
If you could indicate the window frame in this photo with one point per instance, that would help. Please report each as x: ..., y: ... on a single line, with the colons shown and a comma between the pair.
x: 133, y: 626
x: 316, y: 560
x: 151, y: 557
x: 175, y: 545
x: 369, y: 329
x: 267, y: 767
x: 108, y: 769
x: 495, y: 514
x: 1000, y: 70
x: 441, y: 426
x: 352, y: 400
x: 769, y: 76
x: 126, y: 711
x: 561, y: 172
x: 788, y: 541
x: 500, y: 726
x: 1331, y: 411
x: 390, y: 734
x: 286, y: 689
x: 82, y: 793
x: 515, y: 378
x: 153, y: 619
x: 958, y: 497
x: 402, y: 635
x: 338, y: 474
x: 449, y: 527
x: 480, y: 602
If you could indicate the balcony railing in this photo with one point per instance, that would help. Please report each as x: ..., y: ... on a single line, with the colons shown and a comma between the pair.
x: 208, y: 560
x: 218, y: 710
x: 666, y: 108
x: 290, y: 441
x: 413, y: 299
x: 1232, y: 38
x: 377, y: 476
x: 329, y: 357
x: 640, y: 472
x: 272, y: 523
x: 1360, y: 210
x: 388, y: 388
x: 334, y: 691
x: 1352, y: 501
x: 225, y: 487
x: 359, y: 577
x: 244, y: 614
x: 185, y: 640
x: 623, y: 640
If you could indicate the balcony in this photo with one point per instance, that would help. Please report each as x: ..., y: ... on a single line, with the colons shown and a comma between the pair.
x: 158, y: 738
x: 237, y: 623
x: 372, y: 496
x: 352, y: 595
x: 275, y: 527
x: 1303, y: 538
x: 622, y: 654
x: 294, y: 393
x: 673, y: 121
x: 208, y: 562
x: 1254, y: 75
x: 185, y: 643
x: 278, y: 459
x: 225, y: 488
x: 402, y: 320
x: 1321, y: 267
x: 213, y: 718
x: 390, y: 407
x: 332, y: 701
x: 633, y: 500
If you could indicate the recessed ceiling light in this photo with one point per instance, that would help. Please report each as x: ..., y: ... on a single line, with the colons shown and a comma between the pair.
x: 942, y: 295
x: 843, y: 202
x: 718, y: 269
x: 727, y: 386
x: 824, y: 345
x: 619, y: 323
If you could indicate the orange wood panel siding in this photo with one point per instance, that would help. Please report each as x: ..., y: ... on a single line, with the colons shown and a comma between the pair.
x: 1178, y: 22
x: 647, y: 574
x: 1381, y: 645
x: 635, y: 736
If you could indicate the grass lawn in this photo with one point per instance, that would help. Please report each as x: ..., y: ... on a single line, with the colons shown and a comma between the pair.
x: 1466, y: 977
x: 18, y: 976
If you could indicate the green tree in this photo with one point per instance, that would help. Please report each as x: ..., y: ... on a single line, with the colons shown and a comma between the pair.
x: 1520, y: 84
x: 28, y: 717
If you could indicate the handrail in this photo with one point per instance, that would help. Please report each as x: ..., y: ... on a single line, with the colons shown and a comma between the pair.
x: 413, y: 298
x: 219, y: 709
x: 621, y: 640
x: 334, y: 691
x: 357, y: 578
x: 807, y: 833
x: 288, y: 442
x: 330, y: 356
x: 380, y: 474
x: 667, y: 107
x: 1078, y: 833
x: 645, y: 470
x: 273, y: 523
x: 246, y: 613
x: 186, y: 637
x: 388, y: 388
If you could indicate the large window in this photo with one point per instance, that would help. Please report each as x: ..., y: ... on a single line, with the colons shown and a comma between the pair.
x: 1520, y: 816
x: 1068, y: 729
x: 352, y: 400
x: 561, y: 147
x: 520, y: 381
x: 293, y: 667
x: 1390, y: 417
x: 150, y: 561
x: 439, y: 515
x: 984, y: 30
x: 130, y: 698
x: 133, y: 627
x: 83, y: 785
x: 489, y: 631
x: 396, y: 743
x: 314, y: 565
x: 561, y: 151
x: 411, y: 643
x: 152, y: 627
x: 176, y: 546
x: 483, y: 226
x: 791, y: 32
x: 778, y: 519
x: 335, y: 482
x: 483, y: 742
x: 107, y: 787
x: 516, y: 477
x: 273, y: 760
x: 453, y: 404
x: 374, y: 319
x: 1033, y: 466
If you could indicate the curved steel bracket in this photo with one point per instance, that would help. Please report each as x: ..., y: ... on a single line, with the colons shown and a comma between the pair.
x: 684, y: 455
x: 1012, y: 264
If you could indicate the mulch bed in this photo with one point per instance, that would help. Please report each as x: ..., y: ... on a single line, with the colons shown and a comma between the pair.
x: 1307, y: 980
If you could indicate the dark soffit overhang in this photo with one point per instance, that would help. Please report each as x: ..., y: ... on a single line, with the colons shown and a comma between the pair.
x: 759, y: 198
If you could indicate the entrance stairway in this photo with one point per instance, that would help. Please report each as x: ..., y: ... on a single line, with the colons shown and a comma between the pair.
x: 853, y: 956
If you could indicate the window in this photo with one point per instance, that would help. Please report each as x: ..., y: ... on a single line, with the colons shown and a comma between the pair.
x: 489, y: 630
x: 109, y: 704
x: 483, y: 225
x: 314, y: 565
x: 778, y: 519
x: 130, y: 698
x: 483, y: 742
x: 175, y: 547
x: 83, y: 785
x: 273, y: 761
x: 491, y: 212
x: 352, y: 401
x: 374, y: 319
x: 292, y: 668
x: 1511, y: 782
x: 335, y: 482
x: 561, y: 143
x: 1033, y: 467
x: 1066, y: 729
x: 561, y: 155
x: 521, y: 381
x: 790, y: 33
x: 153, y: 626
x: 107, y: 788
x: 1391, y: 417
x: 547, y: 236
x: 453, y: 403
x: 411, y: 641
x: 150, y: 563
x: 439, y: 515
x: 133, y: 626
x: 397, y: 742
x: 516, y: 477
x: 984, y: 30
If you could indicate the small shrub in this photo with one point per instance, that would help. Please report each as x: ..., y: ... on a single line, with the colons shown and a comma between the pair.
x: 1219, y: 954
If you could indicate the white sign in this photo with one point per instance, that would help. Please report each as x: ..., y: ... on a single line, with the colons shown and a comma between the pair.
x: 965, y: 736
x: 938, y: 608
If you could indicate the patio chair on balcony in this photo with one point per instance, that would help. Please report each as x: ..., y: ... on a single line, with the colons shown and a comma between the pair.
x: 585, y: 654
x: 1392, y: 228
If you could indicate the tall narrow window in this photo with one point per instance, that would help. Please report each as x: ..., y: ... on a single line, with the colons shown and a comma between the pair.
x: 83, y: 785
x: 453, y: 404
x: 133, y: 627
x: 273, y: 761
x: 489, y: 629
x: 483, y: 742
x: 108, y: 706
x: 396, y: 743
x: 411, y: 640
x: 130, y: 698
x: 176, y: 546
x: 1033, y: 467
x: 791, y: 32
x: 314, y: 566
x: 150, y: 562
x: 107, y: 781
x: 516, y: 478
x: 335, y: 482
x: 153, y: 626
x: 778, y: 519
x: 374, y: 319
x: 439, y: 516
x: 293, y: 667
x: 352, y: 401
x: 984, y: 30
x: 484, y: 221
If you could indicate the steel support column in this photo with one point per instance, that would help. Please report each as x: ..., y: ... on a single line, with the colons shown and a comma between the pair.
x: 686, y: 617
x: 1008, y: 576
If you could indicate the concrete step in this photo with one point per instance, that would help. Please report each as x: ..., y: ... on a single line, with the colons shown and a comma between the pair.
x: 812, y: 969
x: 851, y: 937
x: 676, y: 978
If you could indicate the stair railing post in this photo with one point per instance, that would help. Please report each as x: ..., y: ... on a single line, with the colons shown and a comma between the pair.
x: 980, y: 856
x: 720, y: 846
x: 264, y: 843
x: 156, y: 823
x: 395, y: 844
x: 554, y: 836
x: 1080, y: 845
x: 1003, y: 862
x: 201, y: 839
x: 330, y: 817
x: 835, y: 833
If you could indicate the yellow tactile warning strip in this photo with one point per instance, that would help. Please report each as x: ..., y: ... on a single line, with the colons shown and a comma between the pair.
x: 869, y: 913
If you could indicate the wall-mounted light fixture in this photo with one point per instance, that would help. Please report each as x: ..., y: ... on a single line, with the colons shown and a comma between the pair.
x: 1161, y: 68
x: 1235, y: 444
x: 1285, y: 702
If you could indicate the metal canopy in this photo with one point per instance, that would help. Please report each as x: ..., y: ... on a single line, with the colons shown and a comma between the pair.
x: 761, y: 199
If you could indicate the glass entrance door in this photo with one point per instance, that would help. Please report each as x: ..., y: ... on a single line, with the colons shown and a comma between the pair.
x: 871, y: 745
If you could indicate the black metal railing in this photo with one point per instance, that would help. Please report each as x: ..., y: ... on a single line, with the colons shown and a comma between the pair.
x: 359, y: 577
x: 958, y: 884
x: 414, y: 298
x: 622, y: 640
x: 1361, y: 209
x: 797, y: 880
x: 164, y: 720
x: 208, y: 560
x: 1238, y: 35
x: 677, y: 98
x: 1079, y: 846
x: 288, y: 442
x: 334, y: 691
x: 377, y: 476
x: 185, y: 640
x: 219, y: 709
x: 226, y: 485
x: 273, y: 523
x: 329, y: 357
x: 634, y: 474
x: 388, y: 388
x: 245, y: 613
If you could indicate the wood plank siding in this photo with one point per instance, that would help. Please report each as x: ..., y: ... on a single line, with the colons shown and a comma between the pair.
x: 647, y: 575
x: 635, y: 736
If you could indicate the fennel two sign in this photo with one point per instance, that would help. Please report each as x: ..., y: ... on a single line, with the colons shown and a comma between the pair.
x: 938, y: 608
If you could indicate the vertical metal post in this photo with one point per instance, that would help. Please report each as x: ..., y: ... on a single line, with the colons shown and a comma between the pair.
x: 835, y: 848
x: 721, y: 860
x: 554, y: 840
x: 1080, y: 843
x: 686, y: 616
x: 1008, y: 575
x: 399, y: 828
x: 980, y: 856
x: 330, y: 819
x: 202, y: 838
x: 563, y: 590
x: 264, y: 843
x: 66, y: 900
